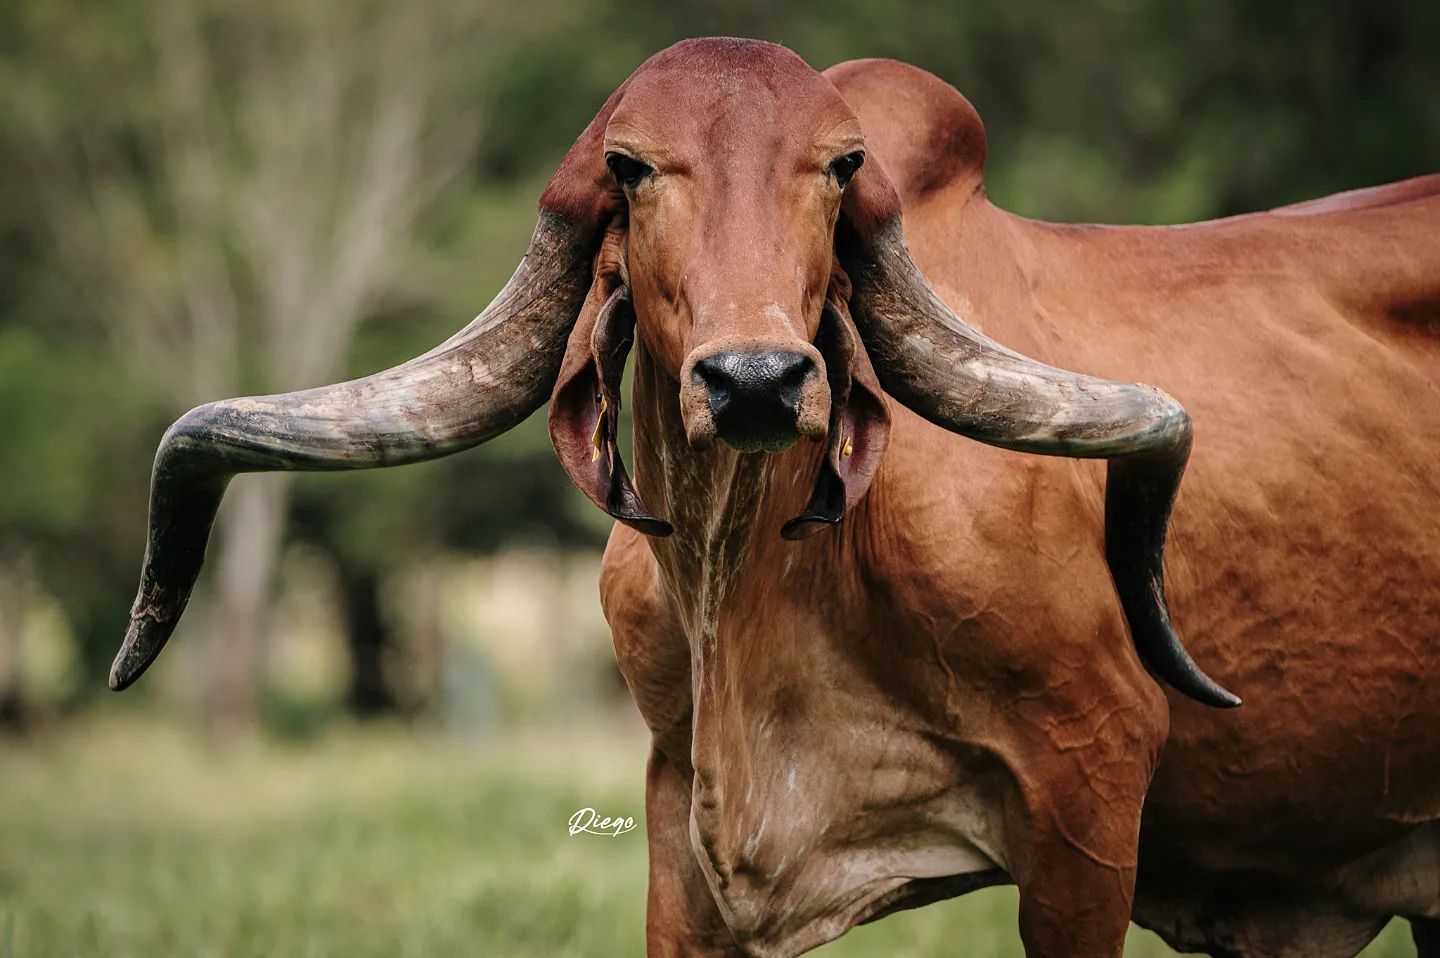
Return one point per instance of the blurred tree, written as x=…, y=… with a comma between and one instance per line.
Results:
x=12, y=621
x=1118, y=110
x=231, y=188
x=68, y=421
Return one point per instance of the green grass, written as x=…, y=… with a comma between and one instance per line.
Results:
x=129, y=839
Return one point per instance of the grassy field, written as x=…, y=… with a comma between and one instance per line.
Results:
x=126, y=838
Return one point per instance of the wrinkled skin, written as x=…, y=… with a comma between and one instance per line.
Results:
x=939, y=694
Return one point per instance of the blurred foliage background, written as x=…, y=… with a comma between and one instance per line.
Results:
x=207, y=198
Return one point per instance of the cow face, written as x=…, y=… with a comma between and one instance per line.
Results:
x=717, y=173
x=732, y=177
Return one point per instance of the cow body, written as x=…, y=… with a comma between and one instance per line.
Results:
x=939, y=694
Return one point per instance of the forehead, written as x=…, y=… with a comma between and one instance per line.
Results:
x=729, y=91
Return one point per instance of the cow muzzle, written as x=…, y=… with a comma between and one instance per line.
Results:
x=754, y=396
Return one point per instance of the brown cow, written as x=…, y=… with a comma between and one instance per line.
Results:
x=939, y=694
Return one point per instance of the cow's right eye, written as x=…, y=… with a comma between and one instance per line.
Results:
x=628, y=170
x=845, y=167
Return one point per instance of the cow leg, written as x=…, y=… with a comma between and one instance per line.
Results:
x=682, y=920
x=1073, y=906
x=1075, y=861
x=1426, y=932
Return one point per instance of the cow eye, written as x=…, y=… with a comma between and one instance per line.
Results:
x=845, y=167
x=628, y=170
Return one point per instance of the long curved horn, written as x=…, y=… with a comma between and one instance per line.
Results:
x=943, y=369
x=476, y=385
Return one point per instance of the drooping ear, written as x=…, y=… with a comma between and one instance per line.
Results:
x=859, y=420
x=582, y=189
x=585, y=406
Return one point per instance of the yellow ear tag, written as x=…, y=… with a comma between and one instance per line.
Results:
x=599, y=429
x=847, y=449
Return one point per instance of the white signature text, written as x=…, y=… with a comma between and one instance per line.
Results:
x=590, y=822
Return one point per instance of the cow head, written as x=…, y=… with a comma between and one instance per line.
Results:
x=732, y=194
x=719, y=168
x=719, y=207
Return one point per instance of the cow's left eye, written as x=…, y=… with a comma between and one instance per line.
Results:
x=845, y=167
x=628, y=170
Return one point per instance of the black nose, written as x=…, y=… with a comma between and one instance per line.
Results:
x=755, y=396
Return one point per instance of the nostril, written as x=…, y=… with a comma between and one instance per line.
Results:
x=714, y=379
x=792, y=383
x=755, y=396
x=795, y=377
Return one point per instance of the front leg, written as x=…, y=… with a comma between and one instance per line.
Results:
x=1077, y=848
x=1075, y=903
x=682, y=920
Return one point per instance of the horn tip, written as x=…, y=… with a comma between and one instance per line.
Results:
x=1208, y=692
x=143, y=641
x=1226, y=700
x=122, y=676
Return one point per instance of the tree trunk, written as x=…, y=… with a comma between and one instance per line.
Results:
x=251, y=526
x=12, y=620
x=425, y=629
x=367, y=636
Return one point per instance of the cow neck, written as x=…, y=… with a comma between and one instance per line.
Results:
x=727, y=507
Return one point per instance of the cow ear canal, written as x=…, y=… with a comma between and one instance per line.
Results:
x=585, y=405
x=859, y=420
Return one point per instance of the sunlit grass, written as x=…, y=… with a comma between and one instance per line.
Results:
x=129, y=838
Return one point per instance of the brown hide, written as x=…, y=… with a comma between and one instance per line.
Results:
x=1306, y=543
x=938, y=693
